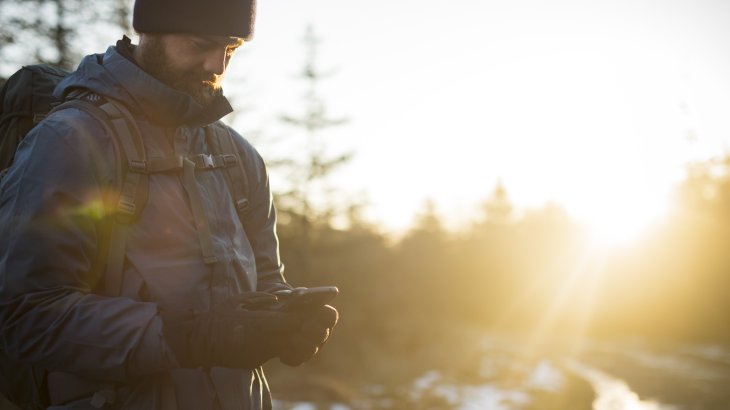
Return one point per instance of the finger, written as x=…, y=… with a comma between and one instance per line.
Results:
x=246, y=300
x=298, y=355
x=253, y=300
x=326, y=316
x=314, y=335
x=278, y=322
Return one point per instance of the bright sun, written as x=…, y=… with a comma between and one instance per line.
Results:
x=616, y=230
x=614, y=225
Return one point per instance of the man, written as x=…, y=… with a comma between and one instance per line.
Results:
x=192, y=322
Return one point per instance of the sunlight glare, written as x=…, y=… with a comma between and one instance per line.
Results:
x=612, y=225
x=618, y=230
x=619, y=197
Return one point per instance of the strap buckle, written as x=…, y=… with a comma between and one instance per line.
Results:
x=204, y=161
x=126, y=205
x=207, y=161
x=138, y=166
x=229, y=160
x=38, y=118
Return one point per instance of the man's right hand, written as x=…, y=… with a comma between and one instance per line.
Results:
x=239, y=334
x=315, y=327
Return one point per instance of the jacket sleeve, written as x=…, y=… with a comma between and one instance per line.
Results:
x=259, y=221
x=50, y=213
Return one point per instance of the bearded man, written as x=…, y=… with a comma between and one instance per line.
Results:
x=190, y=324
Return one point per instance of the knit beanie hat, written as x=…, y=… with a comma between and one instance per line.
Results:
x=230, y=18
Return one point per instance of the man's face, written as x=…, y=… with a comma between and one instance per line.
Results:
x=193, y=64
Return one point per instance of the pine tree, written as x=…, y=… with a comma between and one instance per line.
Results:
x=54, y=31
x=309, y=205
x=309, y=200
x=498, y=209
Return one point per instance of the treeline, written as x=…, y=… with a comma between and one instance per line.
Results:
x=408, y=306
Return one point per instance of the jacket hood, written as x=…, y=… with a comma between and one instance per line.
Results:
x=114, y=76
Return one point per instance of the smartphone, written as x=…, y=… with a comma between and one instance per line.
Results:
x=300, y=298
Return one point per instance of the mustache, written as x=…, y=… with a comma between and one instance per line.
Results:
x=207, y=77
x=210, y=81
x=199, y=76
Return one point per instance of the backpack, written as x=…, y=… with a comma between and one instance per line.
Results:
x=26, y=99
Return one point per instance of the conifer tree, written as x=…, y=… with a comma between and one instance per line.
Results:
x=55, y=31
x=310, y=202
x=307, y=200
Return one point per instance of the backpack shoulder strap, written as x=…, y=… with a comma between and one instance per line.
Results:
x=223, y=145
x=131, y=179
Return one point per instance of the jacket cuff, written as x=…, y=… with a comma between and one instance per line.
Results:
x=152, y=354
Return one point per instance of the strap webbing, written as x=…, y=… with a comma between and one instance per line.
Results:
x=207, y=161
x=114, y=235
x=196, y=203
x=133, y=193
x=223, y=145
x=135, y=186
x=157, y=165
x=114, y=271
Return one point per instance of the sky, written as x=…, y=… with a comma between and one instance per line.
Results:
x=596, y=106
x=592, y=105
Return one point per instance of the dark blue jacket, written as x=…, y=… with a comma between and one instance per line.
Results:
x=50, y=219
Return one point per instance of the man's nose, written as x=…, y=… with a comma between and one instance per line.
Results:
x=215, y=62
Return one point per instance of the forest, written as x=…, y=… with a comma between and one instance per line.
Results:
x=423, y=302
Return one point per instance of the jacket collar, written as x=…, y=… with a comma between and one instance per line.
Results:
x=118, y=77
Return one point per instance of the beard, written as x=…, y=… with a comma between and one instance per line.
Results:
x=201, y=86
